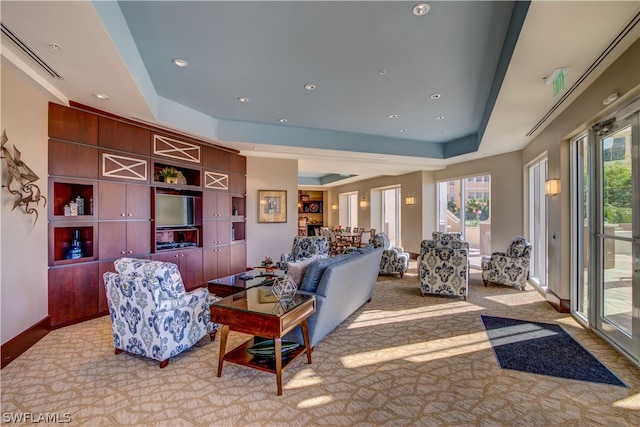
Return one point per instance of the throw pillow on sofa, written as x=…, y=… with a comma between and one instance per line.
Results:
x=316, y=270
x=297, y=269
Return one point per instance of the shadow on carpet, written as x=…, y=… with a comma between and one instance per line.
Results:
x=544, y=348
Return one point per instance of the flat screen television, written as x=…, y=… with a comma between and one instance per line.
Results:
x=174, y=210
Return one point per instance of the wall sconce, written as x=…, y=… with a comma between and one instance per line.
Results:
x=363, y=203
x=409, y=200
x=334, y=207
x=552, y=187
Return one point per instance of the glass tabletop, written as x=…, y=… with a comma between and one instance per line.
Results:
x=260, y=299
x=248, y=279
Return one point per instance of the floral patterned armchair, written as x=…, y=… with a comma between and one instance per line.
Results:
x=394, y=258
x=443, y=265
x=509, y=268
x=305, y=247
x=151, y=314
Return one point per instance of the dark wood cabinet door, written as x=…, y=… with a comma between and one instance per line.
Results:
x=124, y=136
x=103, y=267
x=138, y=238
x=237, y=183
x=112, y=200
x=216, y=205
x=73, y=160
x=216, y=232
x=238, y=258
x=223, y=259
x=112, y=239
x=138, y=202
x=215, y=158
x=73, y=293
x=191, y=268
x=238, y=163
x=72, y=125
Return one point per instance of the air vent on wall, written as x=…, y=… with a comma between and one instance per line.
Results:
x=29, y=52
x=628, y=28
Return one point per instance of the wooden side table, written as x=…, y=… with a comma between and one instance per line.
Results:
x=251, y=313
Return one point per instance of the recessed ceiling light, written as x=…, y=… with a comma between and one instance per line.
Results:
x=382, y=72
x=243, y=99
x=310, y=86
x=101, y=96
x=442, y=132
x=55, y=46
x=403, y=130
x=393, y=116
x=256, y=149
x=180, y=62
x=420, y=9
x=439, y=117
x=283, y=120
x=435, y=96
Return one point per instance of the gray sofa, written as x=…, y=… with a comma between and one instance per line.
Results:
x=341, y=284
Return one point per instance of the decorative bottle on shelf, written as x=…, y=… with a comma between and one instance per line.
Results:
x=75, y=251
x=233, y=233
x=235, y=211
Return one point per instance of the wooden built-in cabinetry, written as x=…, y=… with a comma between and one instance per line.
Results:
x=103, y=183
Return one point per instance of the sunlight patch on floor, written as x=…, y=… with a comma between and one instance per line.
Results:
x=631, y=402
x=304, y=378
x=380, y=317
x=421, y=352
x=315, y=401
x=516, y=298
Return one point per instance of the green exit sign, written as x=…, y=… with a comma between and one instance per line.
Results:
x=558, y=82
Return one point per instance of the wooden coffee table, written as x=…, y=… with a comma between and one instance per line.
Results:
x=254, y=312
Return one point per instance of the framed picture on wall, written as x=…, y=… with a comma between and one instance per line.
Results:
x=272, y=205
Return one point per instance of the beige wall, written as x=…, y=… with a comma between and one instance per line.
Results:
x=23, y=260
x=270, y=239
x=623, y=77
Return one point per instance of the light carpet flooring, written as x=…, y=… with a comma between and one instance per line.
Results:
x=401, y=359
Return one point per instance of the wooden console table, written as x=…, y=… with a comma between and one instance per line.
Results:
x=251, y=313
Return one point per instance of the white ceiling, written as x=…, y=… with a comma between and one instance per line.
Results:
x=270, y=49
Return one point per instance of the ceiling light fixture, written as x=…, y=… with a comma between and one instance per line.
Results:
x=439, y=117
x=310, y=86
x=101, y=96
x=55, y=46
x=180, y=62
x=403, y=130
x=435, y=96
x=283, y=120
x=420, y=9
x=243, y=99
x=393, y=116
x=382, y=72
x=610, y=98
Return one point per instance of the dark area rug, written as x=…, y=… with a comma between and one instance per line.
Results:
x=544, y=348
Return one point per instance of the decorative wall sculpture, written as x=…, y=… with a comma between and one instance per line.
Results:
x=20, y=181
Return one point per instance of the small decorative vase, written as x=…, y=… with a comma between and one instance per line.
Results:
x=284, y=288
x=269, y=269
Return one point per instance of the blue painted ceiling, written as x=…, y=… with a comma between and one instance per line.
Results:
x=367, y=60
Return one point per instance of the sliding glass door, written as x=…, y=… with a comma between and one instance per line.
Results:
x=617, y=236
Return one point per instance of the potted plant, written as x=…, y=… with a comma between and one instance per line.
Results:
x=267, y=263
x=169, y=174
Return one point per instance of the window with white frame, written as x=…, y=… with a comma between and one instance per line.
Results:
x=348, y=209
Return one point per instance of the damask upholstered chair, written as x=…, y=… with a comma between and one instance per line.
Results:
x=151, y=313
x=510, y=268
x=443, y=265
x=305, y=247
x=394, y=258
